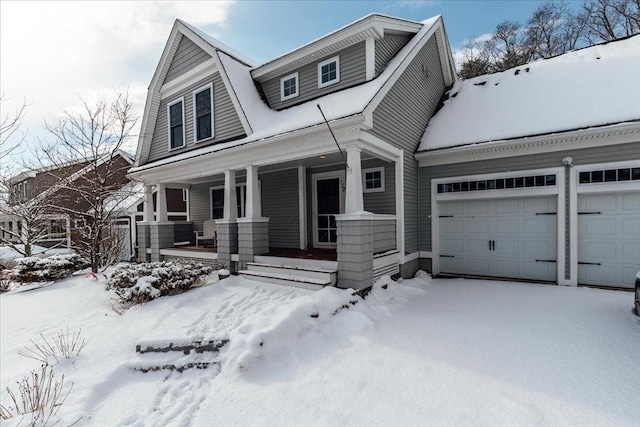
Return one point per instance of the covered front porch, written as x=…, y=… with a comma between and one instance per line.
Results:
x=335, y=207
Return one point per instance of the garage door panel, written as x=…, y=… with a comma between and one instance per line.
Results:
x=631, y=250
x=539, y=270
x=507, y=268
x=539, y=225
x=508, y=226
x=452, y=208
x=539, y=249
x=478, y=226
x=507, y=206
x=631, y=227
x=631, y=202
x=453, y=226
x=535, y=205
x=501, y=239
x=478, y=266
x=609, y=242
x=479, y=207
x=452, y=245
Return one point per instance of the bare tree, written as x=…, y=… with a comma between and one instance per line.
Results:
x=9, y=126
x=93, y=138
x=607, y=20
x=509, y=46
x=475, y=59
x=553, y=30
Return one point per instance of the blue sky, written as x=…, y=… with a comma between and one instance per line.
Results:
x=54, y=53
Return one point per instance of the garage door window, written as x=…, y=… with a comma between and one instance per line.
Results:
x=498, y=184
x=609, y=175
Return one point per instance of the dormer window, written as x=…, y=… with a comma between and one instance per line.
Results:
x=203, y=112
x=289, y=87
x=175, y=112
x=329, y=72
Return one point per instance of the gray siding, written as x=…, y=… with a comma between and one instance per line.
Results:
x=187, y=56
x=280, y=205
x=387, y=47
x=401, y=119
x=536, y=161
x=383, y=202
x=227, y=124
x=352, y=71
x=200, y=203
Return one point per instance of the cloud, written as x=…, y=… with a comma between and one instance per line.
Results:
x=54, y=52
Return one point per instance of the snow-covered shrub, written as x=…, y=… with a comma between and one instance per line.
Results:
x=139, y=283
x=55, y=267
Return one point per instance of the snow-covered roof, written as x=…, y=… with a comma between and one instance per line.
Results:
x=591, y=87
x=268, y=123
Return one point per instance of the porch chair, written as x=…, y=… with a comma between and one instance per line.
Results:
x=208, y=233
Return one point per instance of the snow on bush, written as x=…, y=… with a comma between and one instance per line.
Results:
x=139, y=283
x=55, y=267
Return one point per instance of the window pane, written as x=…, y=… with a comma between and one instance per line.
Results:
x=176, y=136
x=328, y=72
x=550, y=180
x=597, y=176
x=203, y=102
x=176, y=114
x=204, y=127
x=624, y=174
x=635, y=173
x=610, y=175
x=585, y=177
x=290, y=87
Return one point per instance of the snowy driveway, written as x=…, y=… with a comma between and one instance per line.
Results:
x=423, y=351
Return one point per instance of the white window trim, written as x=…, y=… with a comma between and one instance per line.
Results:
x=284, y=79
x=195, y=117
x=364, y=180
x=184, y=136
x=335, y=59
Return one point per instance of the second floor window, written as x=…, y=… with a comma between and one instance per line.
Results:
x=329, y=72
x=203, y=112
x=289, y=86
x=176, y=124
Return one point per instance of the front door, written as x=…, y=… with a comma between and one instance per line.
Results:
x=328, y=200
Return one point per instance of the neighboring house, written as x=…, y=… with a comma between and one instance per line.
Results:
x=349, y=194
x=53, y=188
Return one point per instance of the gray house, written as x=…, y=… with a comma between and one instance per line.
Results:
x=315, y=166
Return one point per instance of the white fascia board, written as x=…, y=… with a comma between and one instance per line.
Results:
x=586, y=138
x=232, y=94
x=373, y=25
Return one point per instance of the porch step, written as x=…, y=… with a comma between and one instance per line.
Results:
x=174, y=355
x=285, y=279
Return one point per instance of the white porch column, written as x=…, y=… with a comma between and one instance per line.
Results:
x=148, y=203
x=354, y=199
x=161, y=202
x=230, y=202
x=253, y=208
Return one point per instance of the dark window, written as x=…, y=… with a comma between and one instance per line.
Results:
x=498, y=184
x=176, y=126
x=635, y=173
x=610, y=175
x=373, y=180
x=550, y=180
x=290, y=87
x=624, y=174
x=597, y=176
x=204, y=116
x=328, y=72
x=585, y=177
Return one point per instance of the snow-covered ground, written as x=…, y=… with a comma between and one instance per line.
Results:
x=422, y=351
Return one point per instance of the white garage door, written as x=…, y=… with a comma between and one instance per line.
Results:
x=510, y=238
x=608, y=239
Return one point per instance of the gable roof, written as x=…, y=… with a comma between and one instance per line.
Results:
x=586, y=88
x=356, y=101
x=152, y=104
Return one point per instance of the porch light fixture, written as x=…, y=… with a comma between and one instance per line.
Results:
x=322, y=156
